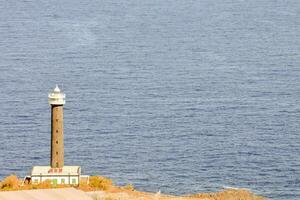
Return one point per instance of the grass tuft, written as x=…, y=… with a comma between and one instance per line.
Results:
x=10, y=183
x=128, y=187
x=101, y=183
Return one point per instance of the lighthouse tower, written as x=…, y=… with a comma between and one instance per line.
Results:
x=57, y=99
x=57, y=173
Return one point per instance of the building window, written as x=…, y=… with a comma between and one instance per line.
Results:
x=62, y=181
x=56, y=131
x=56, y=153
x=56, y=120
x=56, y=164
x=54, y=181
x=74, y=181
x=56, y=141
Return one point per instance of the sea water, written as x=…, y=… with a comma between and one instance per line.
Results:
x=178, y=96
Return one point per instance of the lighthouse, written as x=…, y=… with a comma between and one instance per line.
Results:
x=57, y=172
x=56, y=100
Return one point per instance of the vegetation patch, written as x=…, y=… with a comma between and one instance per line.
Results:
x=101, y=183
x=232, y=194
x=128, y=187
x=10, y=183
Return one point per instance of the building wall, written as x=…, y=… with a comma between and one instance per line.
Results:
x=57, y=137
x=69, y=180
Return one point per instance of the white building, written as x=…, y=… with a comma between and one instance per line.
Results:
x=69, y=175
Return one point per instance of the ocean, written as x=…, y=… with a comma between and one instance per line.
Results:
x=177, y=96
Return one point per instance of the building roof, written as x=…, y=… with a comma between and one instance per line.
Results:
x=46, y=194
x=47, y=170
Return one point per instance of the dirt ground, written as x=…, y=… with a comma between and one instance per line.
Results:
x=231, y=194
x=101, y=188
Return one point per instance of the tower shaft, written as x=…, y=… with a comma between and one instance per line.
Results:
x=57, y=137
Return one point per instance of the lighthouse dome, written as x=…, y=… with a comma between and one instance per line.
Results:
x=56, y=89
x=56, y=97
